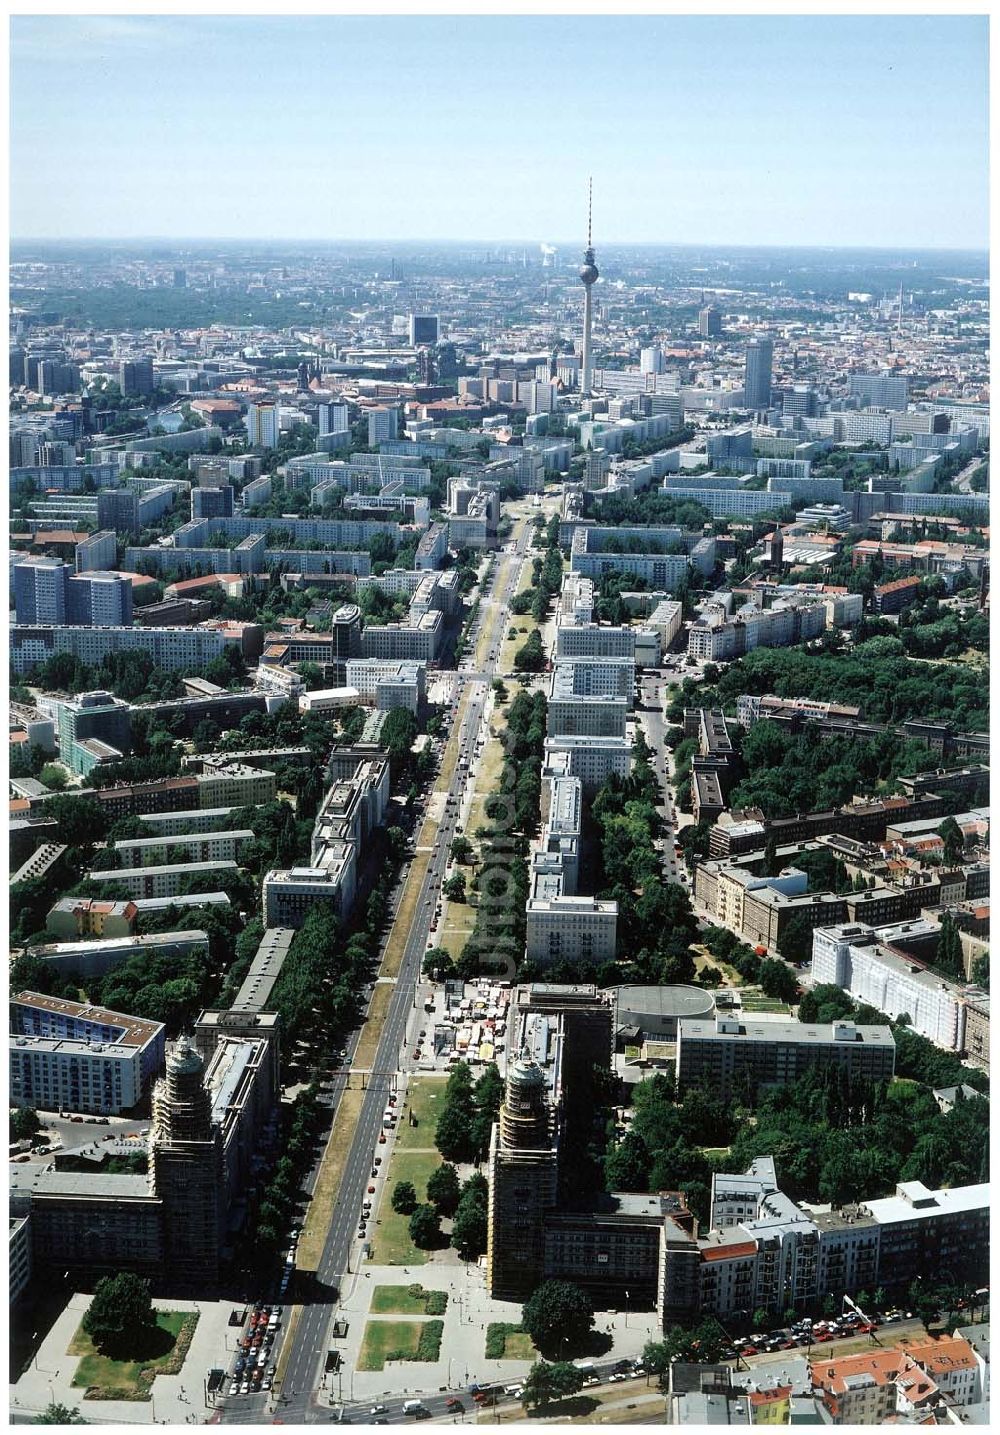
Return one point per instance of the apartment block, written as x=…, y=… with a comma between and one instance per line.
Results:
x=71, y=1055
x=215, y=846
x=730, y=1052
x=580, y=930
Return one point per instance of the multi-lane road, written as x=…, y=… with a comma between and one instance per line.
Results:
x=303, y=1362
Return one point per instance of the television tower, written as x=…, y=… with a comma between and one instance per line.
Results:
x=589, y=275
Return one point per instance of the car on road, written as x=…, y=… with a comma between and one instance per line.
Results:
x=379, y=1409
x=454, y=1405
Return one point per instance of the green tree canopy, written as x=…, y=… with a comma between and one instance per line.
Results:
x=120, y=1313
x=558, y=1316
x=443, y=1189
x=404, y=1198
x=425, y=1228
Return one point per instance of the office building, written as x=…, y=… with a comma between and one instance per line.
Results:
x=83, y=1058
x=216, y=502
x=709, y=322
x=136, y=378
x=93, y=728
x=757, y=374
x=732, y=1055
x=423, y=330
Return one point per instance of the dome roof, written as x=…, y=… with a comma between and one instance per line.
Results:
x=526, y=1073
x=184, y=1058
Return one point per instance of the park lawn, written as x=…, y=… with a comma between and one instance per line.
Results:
x=399, y=1300
x=391, y=1244
x=459, y=921
x=487, y=779
x=106, y=1379
x=424, y=1097
x=385, y=1338
x=519, y=1347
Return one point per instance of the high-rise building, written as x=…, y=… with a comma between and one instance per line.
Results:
x=136, y=377
x=423, y=330
x=40, y=590
x=383, y=424
x=523, y=1170
x=332, y=418
x=263, y=425
x=180, y=279
x=589, y=275
x=651, y=360
x=213, y=502
x=757, y=375
x=709, y=322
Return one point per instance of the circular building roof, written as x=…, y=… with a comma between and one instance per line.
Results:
x=659, y=1002
x=184, y=1057
x=525, y=1073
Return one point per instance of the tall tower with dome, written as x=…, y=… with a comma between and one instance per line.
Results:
x=185, y=1151
x=523, y=1172
x=589, y=275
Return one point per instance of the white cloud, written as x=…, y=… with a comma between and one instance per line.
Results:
x=51, y=37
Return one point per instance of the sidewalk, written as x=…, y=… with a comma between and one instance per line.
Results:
x=463, y=1344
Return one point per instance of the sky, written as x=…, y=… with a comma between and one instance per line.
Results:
x=785, y=130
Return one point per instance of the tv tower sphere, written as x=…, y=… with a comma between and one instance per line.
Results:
x=589, y=271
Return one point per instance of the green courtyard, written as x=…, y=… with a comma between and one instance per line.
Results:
x=165, y=1348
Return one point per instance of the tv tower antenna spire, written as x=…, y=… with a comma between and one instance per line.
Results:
x=589, y=275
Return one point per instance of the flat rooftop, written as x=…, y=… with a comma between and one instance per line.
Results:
x=129, y=1030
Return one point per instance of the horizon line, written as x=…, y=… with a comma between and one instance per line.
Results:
x=534, y=242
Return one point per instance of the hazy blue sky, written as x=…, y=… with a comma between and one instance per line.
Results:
x=753, y=130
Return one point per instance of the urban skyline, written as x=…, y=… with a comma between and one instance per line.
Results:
x=782, y=159
x=499, y=829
